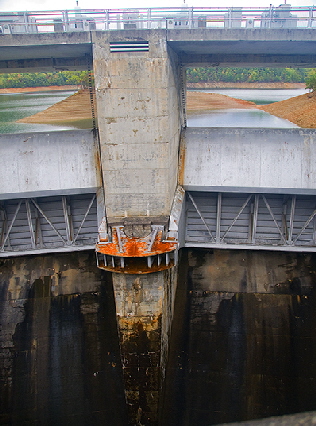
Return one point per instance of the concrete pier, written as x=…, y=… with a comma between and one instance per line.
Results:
x=140, y=116
x=144, y=309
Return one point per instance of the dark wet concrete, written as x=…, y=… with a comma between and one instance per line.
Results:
x=243, y=342
x=65, y=367
x=242, y=355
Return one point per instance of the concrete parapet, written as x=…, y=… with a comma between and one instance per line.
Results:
x=55, y=163
x=237, y=159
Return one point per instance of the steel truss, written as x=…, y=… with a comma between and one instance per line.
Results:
x=48, y=224
x=274, y=221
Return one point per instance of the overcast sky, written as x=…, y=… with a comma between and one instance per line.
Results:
x=33, y=5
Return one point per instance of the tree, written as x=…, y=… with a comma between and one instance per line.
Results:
x=311, y=80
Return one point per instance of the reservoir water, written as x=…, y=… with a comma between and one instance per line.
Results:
x=19, y=105
x=245, y=117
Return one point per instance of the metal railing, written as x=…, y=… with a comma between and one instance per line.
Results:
x=283, y=16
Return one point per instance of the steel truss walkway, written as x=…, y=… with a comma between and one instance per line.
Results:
x=254, y=221
x=48, y=224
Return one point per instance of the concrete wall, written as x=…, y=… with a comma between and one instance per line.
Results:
x=139, y=110
x=39, y=164
x=233, y=159
x=57, y=334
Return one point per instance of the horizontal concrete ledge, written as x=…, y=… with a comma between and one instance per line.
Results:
x=240, y=131
x=307, y=418
x=241, y=34
x=46, y=251
x=48, y=163
x=250, y=190
x=48, y=193
x=276, y=160
x=298, y=249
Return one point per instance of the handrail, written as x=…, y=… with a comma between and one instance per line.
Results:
x=78, y=19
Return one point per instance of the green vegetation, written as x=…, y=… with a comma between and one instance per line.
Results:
x=194, y=75
x=311, y=80
x=40, y=79
x=249, y=75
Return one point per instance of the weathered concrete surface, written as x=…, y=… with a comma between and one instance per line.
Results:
x=139, y=119
x=198, y=46
x=304, y=419
x=58, y=342
x=39, y=164
x=244, y=47
x=243, y=271
x=144, y=306
x=259, y=160
x=44, y=52
x=240, y=355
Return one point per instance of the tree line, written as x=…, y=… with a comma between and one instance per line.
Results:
x=194, y=75
x=40, y=79
x=250, y=75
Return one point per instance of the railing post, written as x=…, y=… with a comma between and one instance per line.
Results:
x=118, y=21
x=148, y=19
x=310, y=17
x=65, y=20
x=191, y=22
x=270, y=16
x=26, y=26
x=107, y=23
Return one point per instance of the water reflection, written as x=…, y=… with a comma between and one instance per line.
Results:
x=259, y=96
x=19, y=105
x=237, y=118
x=245, y=117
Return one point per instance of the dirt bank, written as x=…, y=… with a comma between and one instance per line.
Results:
x=300, y=110
x=199, y=101
x=75, y=107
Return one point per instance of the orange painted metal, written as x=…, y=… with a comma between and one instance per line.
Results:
x=136, y=266
x=123, y=246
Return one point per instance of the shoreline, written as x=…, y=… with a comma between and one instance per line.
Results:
x=38, y=89
x=300, y=110
x=223, y=85
x=209, y=85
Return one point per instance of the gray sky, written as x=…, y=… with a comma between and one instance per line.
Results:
x=33, y=5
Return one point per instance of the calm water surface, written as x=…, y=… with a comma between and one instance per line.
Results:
x=20, y=105
x=245, y=117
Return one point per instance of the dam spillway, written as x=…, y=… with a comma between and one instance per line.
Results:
x=246, y=263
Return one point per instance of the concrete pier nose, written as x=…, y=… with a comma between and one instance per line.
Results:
x=140, y=117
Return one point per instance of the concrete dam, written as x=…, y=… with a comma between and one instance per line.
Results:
x=150, y=273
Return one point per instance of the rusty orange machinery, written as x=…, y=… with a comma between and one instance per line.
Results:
x=132, y=255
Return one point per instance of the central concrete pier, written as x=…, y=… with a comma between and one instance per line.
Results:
x=140, y=117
